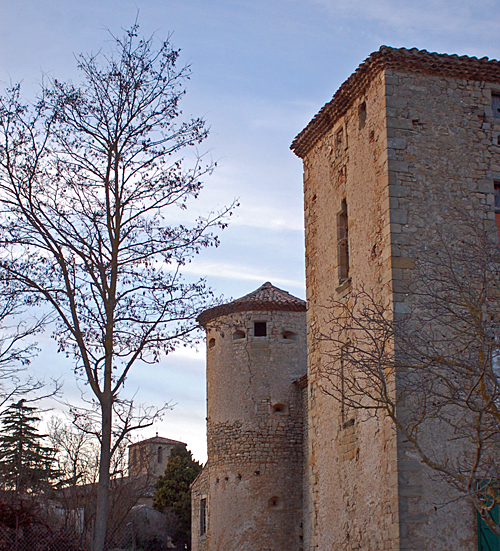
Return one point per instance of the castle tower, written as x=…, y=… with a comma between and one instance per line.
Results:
x=407, y=142
x=249, y=495
x=150, y=457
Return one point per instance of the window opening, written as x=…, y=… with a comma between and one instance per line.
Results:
x=160, y=454
x=495, y=104
x=339, y=142
x=496, y=190
x=343, y=242
x=347, y=383
x=362, y=115
x=203, y=516
x=211, y=343
x=260, y=329
x=289, y=336
x=238, y=335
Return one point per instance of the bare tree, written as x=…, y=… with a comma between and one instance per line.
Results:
x=434, y=368
x=17, y=349
x=77, y=453
x=88, y=176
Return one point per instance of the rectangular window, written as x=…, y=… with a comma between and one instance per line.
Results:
x=339, y=142
x=496, y=190
x=495, y=105
x=259, y=329
x=160, y=454
x=343, y=243
x=203, y=516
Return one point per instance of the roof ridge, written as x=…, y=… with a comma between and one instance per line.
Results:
x=267, y=297
x=410, y=60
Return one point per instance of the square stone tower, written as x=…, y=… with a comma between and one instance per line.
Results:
x=409, y=133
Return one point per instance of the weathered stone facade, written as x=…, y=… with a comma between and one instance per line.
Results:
x=405, y=137
x=252, y=479
x=409, y=134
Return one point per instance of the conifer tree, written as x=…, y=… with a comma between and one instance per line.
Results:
x=25, y=463
x=173, y=490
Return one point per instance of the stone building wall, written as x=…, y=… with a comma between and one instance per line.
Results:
x=402, y=148
x=353, y=462
x=199, y=529
x=254, y=432
x=443, y=157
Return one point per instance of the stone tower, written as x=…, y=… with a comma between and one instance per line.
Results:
x=408, y=140
x=249, y=495
x=150, y=456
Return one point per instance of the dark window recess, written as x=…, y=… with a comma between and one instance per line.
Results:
x=289, y=336
x=339, y=142
x=343, y=243
x=362, y=115
x=203, y=516
x=496, y=187
x=211, y=343
x=495, y=105
x=160, y=454
x=260, y=329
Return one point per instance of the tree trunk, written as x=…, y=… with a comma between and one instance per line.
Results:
x=101, y=520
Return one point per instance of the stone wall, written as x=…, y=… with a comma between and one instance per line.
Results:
x=443, y=157
x=406, y=152
x=255, y=432
x=199, y=491
x=353, y=466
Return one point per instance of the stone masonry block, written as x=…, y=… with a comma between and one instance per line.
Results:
x=398, y=166
x=396, y=143
x=403, y=263
x=485, y=186
x=399, y=216
x=399, y=123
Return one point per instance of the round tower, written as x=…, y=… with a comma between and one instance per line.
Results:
x=256, y=351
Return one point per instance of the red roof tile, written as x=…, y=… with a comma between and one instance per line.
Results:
x=400, y=59
x=266, y=298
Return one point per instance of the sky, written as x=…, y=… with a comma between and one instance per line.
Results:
x=260, y=71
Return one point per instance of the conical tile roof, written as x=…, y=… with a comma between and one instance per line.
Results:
x=266, y=298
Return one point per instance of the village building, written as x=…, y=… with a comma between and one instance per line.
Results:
x=147, y=460
x=409, y=133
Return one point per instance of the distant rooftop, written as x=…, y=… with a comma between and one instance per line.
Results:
x=399, y=59
x=157, y=440
x=266, y=298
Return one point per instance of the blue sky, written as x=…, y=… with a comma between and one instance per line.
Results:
x=261, y=70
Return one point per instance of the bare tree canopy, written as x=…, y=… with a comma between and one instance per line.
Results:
x=433, y=367
x=88, y=176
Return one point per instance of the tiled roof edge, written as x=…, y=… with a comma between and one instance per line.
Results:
x=411, y=61
x=250, y=306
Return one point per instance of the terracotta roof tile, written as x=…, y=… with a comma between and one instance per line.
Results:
x=400, y=59
x=266, y=298
x=157, y=440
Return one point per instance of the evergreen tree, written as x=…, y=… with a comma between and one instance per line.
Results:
x=173, y=491
x=25, y=463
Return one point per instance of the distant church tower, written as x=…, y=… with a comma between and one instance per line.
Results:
x=249, y=495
